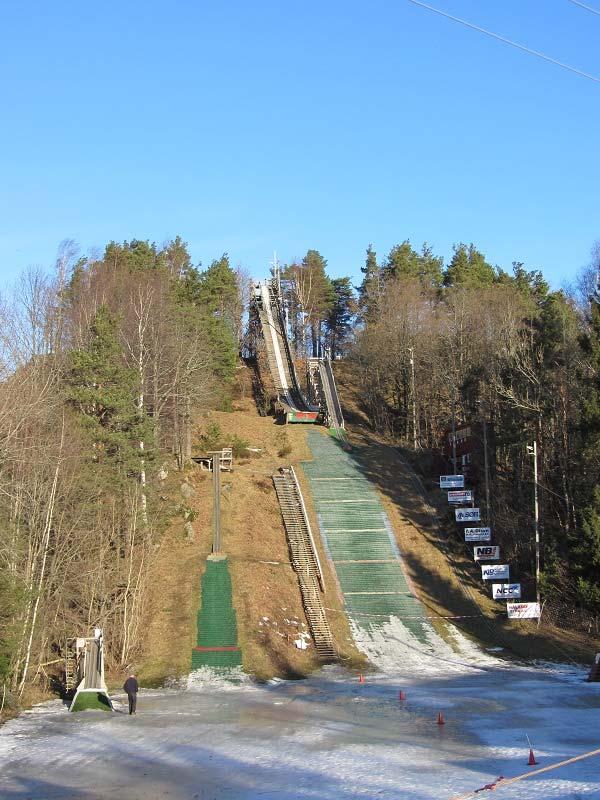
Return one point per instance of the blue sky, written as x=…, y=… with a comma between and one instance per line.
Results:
x=248, y=127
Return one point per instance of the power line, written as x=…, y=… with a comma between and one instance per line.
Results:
x=587, y=8
x=508, y=41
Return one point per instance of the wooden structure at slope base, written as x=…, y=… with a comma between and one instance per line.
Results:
x=305, y=560
x=84, y=673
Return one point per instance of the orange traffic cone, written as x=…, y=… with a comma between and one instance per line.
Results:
x=440, y=719
x=361, y=678
x=532, y=762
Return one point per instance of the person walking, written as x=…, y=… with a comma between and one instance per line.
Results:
x=131, y=687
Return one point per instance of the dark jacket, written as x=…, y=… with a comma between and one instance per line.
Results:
x=131, y=686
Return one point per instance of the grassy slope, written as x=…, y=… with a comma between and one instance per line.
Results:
x=446, y=580
x=264, y=583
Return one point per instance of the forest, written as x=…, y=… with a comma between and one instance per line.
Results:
x=106, y=363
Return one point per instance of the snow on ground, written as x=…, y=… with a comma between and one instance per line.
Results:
x=324, y=738
x=392, y=647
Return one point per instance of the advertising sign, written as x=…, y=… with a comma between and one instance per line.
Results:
x=486, y=552
x=523, y=610
x=495, y=572
x=478, y=534
x=506, y=591
x=465, y=496
x=452, y=481
x=467, y=515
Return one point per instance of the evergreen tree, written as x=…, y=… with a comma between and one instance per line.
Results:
x=339, y=319
x=316, y=293
x=104, y=392
x=468, y=267
x=218, y=293
x=369, y=291
x=402, y=262
x=133, y=256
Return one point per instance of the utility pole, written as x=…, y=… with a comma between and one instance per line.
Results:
x=414, y=399
x=532, y=450
x=486, y=470
x=454, y=433
x=216, y=470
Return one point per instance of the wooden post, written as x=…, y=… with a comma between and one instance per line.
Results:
x=216, y=470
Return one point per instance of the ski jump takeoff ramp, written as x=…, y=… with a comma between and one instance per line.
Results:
x=389, y=624
x=279, y=355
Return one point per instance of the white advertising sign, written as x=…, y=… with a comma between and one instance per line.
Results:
x=486, y=552
x=523, y=610
x=467, y=515
x=506, y=591
x=495, y=572
x=478, y=534
x=452, y=481
x=466, y=496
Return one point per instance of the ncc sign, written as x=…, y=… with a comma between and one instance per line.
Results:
x=495, y=572
x=523, y=610
x=467, y=515
x=466, y=496
x=478, y=534
x=452, y=481
x=486, y=553
x=506, y=591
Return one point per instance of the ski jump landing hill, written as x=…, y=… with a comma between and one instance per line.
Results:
x=389, y=623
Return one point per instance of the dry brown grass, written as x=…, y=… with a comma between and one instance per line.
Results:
x=445, y=579
x=264, y=583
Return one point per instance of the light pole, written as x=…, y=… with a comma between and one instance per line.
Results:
x=414, y=399
x=486, y=470
x=532, y=450
x=454, y=432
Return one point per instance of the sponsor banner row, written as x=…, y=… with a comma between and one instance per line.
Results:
x=523, y=610
x=452, y=481
x=486, y=552
x=458, y=497
x=493, y=572
x=467, y=515
x=506, y=591
x=478, y=534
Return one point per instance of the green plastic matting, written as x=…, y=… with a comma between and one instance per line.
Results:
x=217, y=644
x=360, y=541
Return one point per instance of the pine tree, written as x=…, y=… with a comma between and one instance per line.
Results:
x=585, y=545
x=339, y=319
x=104, y=392
x=402, y=262
x=468, y=267
x=369, y=291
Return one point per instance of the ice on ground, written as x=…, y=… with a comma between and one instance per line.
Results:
x=324, y=738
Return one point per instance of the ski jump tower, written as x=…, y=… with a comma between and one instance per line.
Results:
x=270, y=324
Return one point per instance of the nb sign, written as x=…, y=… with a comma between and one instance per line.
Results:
x=495, y=572
x=467, y=514
x=486, y=553
x=506, y=591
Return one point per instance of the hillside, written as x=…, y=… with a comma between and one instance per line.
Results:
x=443, y=574
x=265, y=588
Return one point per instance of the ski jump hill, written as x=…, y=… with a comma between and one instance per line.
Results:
x=389, y=623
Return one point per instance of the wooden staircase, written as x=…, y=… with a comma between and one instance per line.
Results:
x=305, y=560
